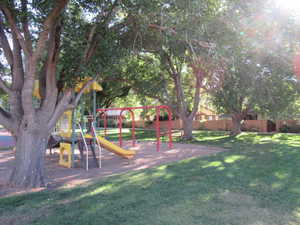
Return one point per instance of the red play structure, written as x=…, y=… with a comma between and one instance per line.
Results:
x=157, y=125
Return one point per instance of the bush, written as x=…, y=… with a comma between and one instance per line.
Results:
x=202, y=127
x=290, y=129
x=110, y=123
x=148, y=123
x=284, y=129
x=163, y=117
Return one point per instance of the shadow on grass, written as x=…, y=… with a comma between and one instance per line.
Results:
x=242, y=186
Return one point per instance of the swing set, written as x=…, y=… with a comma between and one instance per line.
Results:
x=131, y=110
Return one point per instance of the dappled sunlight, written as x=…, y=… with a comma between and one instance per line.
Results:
x=281, y=136
x=233, y=158
x=293, y=144
x=108, y=188
x=213, y=138
x=281, y=174
x=137, y=177
x=266, y=139
x=249, y=137
x=277, y=185
x=254, y=183
x=221, y=168
x=213, y=164
x=297, y=213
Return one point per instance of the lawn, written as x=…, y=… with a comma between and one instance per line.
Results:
x=256, y=182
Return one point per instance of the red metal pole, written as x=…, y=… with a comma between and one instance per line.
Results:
x=120, y=128
x=157, y=129
x=133, y=127
x=157, y=108
x=105, y=124
x=170, y=126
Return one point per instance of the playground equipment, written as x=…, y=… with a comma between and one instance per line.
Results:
x=157, y=124
x=67, y=126
x=89, y=140
x=84, y=140
x=127, y=154
x=102, y=142
x=67, y=132
x=65, y=149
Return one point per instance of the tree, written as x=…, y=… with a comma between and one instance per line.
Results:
x=56, y=43
x=259, y=56
x=265, y=85
x=173, y=40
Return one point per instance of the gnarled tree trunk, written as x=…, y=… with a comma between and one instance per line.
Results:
x=236, y=124
x=187, y=126
x=29, y=157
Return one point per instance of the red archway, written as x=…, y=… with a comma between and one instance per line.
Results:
x=157, y=124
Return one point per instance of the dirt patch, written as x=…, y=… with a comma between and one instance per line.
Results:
x=146, y=157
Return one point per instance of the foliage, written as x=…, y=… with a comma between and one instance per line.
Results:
x=290, y=129
x=259, y=75
x=169, y=45
x=257, y=86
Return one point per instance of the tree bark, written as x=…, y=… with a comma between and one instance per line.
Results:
x=29, y=158
x=187, y=126
x=236, y=124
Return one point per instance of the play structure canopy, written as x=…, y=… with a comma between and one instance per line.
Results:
x=95, y=86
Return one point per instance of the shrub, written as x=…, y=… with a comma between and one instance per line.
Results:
x=290, y=129
x=110, y=123
x=284, y=129
x=148, y=123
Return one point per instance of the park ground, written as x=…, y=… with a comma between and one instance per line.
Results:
x=256, y=181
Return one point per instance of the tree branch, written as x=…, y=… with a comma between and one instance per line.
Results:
x=28, y=86
x=67, y=103
x=6, y=120
x=49, y=22
x=24, y=20
x=13, y=24
x=5, y=87
x=50, y=66
x=196, y=100
x=5, y=45
x=60, y=108
x=17, y=69
x=171, y=65
x=90, y=48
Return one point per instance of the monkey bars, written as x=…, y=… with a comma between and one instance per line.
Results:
x=157, y=124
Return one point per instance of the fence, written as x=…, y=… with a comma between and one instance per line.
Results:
x=215, y=125
x=289, y=123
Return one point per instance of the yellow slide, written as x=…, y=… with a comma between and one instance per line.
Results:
x=127, y=154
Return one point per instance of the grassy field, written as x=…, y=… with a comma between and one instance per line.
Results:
x=257, y=182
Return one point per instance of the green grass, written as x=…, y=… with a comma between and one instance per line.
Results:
x=256, y=182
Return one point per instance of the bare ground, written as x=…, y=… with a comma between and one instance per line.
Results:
x=146, y=157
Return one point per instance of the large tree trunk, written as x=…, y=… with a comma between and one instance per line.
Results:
x=187, y=126
x=236, y=124
x=29, y=158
